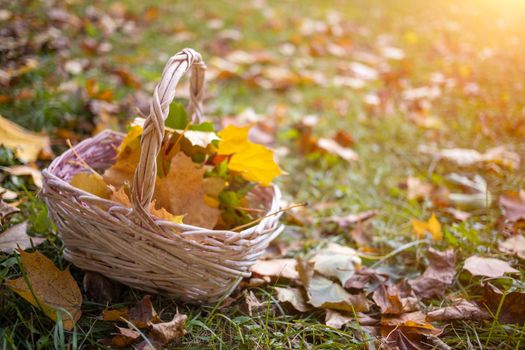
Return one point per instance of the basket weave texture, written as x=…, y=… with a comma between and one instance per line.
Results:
x=130, y=245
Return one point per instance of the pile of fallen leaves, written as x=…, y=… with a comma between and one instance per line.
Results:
x=203, y=177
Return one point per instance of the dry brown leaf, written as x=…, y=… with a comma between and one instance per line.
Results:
x=16, y=236
x=54, y=290
x=514, y=245
x=6, y=210
x=336, y=261
x=182, y=192
x=324, y=293
x=6, y=194
x=465, y=157
x=124, y=337
x=389, y=300
x=337, y=319
x=25, y=170
x=276, y=268
x=461, y=310
x=168, y=332
x=417, y=189
x=293, y=296
x=511, y=308
x=115, y=314
x=332, y=147
x=143, y=314
x=513, y=204
x=487, y=267
x=28, y=145
x=438, y=276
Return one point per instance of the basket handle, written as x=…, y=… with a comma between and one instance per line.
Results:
x=153, y=131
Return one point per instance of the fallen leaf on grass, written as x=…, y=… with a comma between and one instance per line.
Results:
x=25, y=170
x=92, y=183
x=7, y=194
x=28, y=145
x=276, y=268
x=293, y=296
x=324, y=293
x=417, y=189
x=336, y=261
x=389, y=300
x=438, y=276
x=511, y=308
x=513, y=205
x=332, y=147
x=478, y=195
x=514, y=245
x=55, y=291
x=487, y=267
x=168, y=332
x=461, y=310
x=431, y=226
x=115, y=314
x=182, y=192
x=337, y=319
x=143, y=314
x=16, y=236
x=407, y=331
x=124, y=337
x=465, y=157
x=351, y=219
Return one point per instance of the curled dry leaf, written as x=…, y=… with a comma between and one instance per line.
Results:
x=29, y=146
x=461, y=310
x=389, y=300
x=407, y=331
x=514, y=245
x=276, y=268
x=167, y=332
x=16, y=236
x=513, y=205
x=487, y=267
x=293, y=296
x=438, y=276
x=52, y=291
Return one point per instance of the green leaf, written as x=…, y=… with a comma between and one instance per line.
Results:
x=206, y=126
x=229, y=198
x=177, y=117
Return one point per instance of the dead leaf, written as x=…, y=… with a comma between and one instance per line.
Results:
x=487, y=267
x=6, y=194
x=6, y=210
x=143, y=314
x=465, y=157
x=461, y=310
x=407, y=331
x=431, y=226
x=100, y=288
x=389, y=300
x=417, y=189
x=28, y=145
x=332, y=147
x=337, y=319
x=478, y=196
x=336, y=261
x=181, y=192
x=438, y=276
x=54, y=290
x=16, y=236
x=351, y=219
x=276, y=268
x=324, y=293
x=115, y=314
x=514, y=245
x=124, y=337
x=168, y=332
x=513, y=205
x=511, y=308
x=293, y=296
x=25, y=170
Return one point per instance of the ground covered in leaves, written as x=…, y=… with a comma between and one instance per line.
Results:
x=400, y=124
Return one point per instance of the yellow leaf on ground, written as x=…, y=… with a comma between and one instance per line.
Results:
x=92, y=183
x=52, y=290
x=181, y=191
x=254, y=162
x=28, y=145
x=431, y=226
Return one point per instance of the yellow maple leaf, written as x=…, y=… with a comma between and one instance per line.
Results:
x=132, y=140
x=92, y=183
x=53, y=291
x=254, y=162
x=122, y=197
x=431, y=226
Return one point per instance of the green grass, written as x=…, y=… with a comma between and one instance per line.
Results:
x=450, y=37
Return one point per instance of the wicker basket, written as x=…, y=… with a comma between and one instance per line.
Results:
x=130, y=245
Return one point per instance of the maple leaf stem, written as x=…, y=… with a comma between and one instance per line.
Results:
x=266, y=216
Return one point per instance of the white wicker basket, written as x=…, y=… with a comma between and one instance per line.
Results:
x=130, y=245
